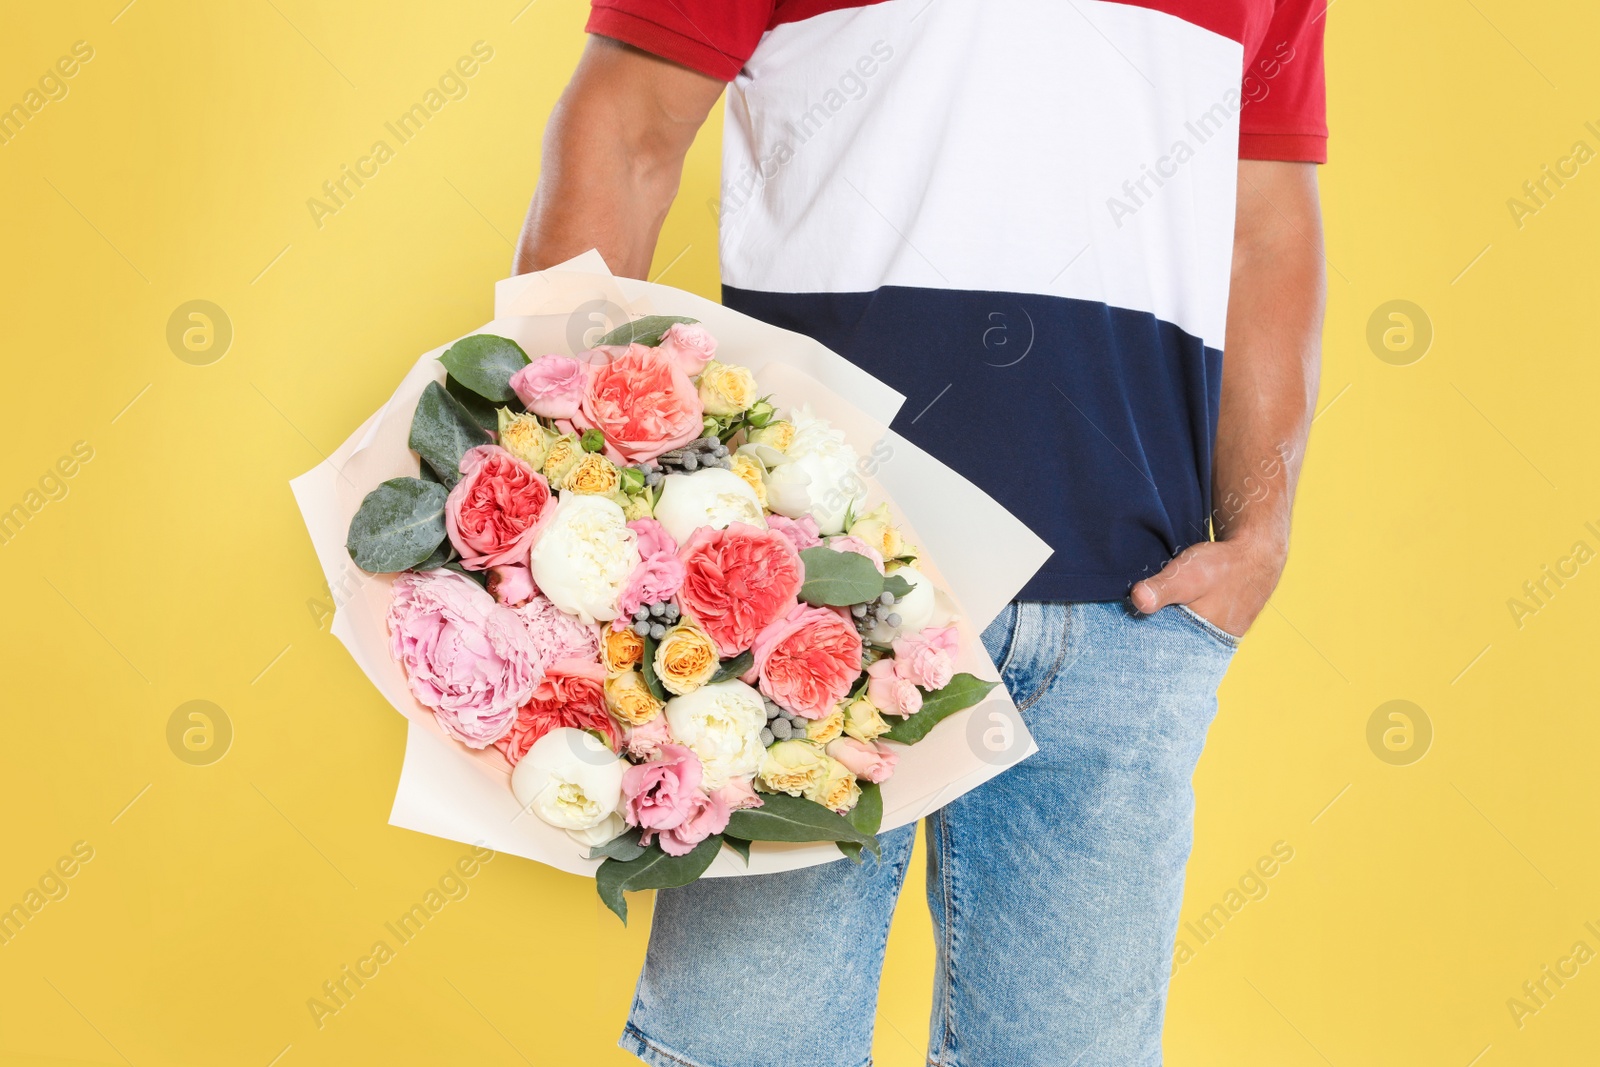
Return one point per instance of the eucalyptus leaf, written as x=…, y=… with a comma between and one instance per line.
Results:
x=896, y=585
x=398, y=525
x=484, y=363
x=741, y=847
x=645, y=331
x=838, y=579
x=482, y=411
x=653, y=869
x=442, y=431
x=733, y=668
x=441, y=555
x=963, y=691
x=624, y=847
x=648, y=664
x=782, y=817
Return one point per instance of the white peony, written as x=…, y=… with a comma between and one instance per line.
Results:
x=570, y=779
x=818, y=474
x=915, y=608
x=720, y=723
x=711, y=497
x=583, y=556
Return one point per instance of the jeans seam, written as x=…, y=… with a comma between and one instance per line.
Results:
x=1055, y=668
x=658, y=1049
x=947, y=1031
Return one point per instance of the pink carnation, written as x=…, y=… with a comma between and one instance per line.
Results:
x=739, y=793
x=737, y=581
x=643, y=403
x=493, y=513
x=689, y=345
x=658, y=575
x=808, y=660
x=867, y=760
x=707, y=814
x=572, y=694
x=801, y=532
x=891, y=691
x=552, y=386
x=466, y=657
x=928, y=659
x=660, y=794
x=846, y=543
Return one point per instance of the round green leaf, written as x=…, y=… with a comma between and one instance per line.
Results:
x=398, y=525
x=485, y=363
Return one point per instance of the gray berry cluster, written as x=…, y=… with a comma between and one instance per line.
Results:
x=782, y=725
x=697, y=454
x=868, y=615
x=654, y=620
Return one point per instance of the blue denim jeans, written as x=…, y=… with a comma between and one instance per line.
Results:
x=1054, y=888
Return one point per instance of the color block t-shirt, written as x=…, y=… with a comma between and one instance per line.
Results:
x=1019, y=213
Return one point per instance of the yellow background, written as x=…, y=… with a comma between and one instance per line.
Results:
x=1419, y=899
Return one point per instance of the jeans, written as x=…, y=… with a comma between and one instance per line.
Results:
x=1054, y=887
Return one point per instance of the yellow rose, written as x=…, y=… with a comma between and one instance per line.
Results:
x=630, y=700
x=877, y=530
x=593, y=475
x=836, y=789
x=747, y=467
x=637, y=506
x=726, y=389
x=862, y=720
x=564, y=454
x=524, y=437
x=623, y=649
x=828, y=728
x=792, y=767
x=778, y=434
x=685, y=659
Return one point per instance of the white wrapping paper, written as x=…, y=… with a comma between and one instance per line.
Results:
x=974, y=549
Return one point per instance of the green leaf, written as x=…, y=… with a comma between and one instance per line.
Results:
x=398, y=525
x=838, y=579
x=645, y=331
x=963, y=691
x=648, y=665
x=442, y=431
x=482, y=411
x=896, y=585
x=732, y=668
x=624, y=847
x=782, y=817
x=485, y=363
x=654, y=869
x=478, y=576
x=741, y=847
x=441, y=555
x=866, y=816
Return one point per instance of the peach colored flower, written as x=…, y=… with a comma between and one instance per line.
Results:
x=643, y=403
x=737, y=581
x=572, y=694
x=494, y=512
x=807, y=660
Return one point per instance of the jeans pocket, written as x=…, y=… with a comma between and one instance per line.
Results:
x=1209, y=628
x=1000, y=635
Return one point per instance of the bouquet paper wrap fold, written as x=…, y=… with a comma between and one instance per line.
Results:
x=973, y=549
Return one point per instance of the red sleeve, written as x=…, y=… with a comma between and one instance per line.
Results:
x=714, y=37
x=1285, y=111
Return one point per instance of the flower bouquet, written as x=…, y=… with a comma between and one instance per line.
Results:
x=660, y=595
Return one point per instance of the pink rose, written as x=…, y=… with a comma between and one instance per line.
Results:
x=689, y=345
x=737, y=581
x=557, y=635
x=493, y=513
x=642, y=402
x=643, y=742
x=892, y=691
x=807, y=660
x=551, y=386
x=866, y=760
x=658, y=575
x=928, y=659
x=511, y=584
x=707, y=815
x=846, y=543
x=466, y=657
x=802, y=532
x=738, y=793
x=572, y=694
x=660, y=794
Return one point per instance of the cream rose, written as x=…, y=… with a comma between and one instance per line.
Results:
x=725, y=388
x=721, y=724
x=583, y=556
x=828, y=728
x=593, y=475
x=524, y=437
x=862, y=720
x=793, y=767
x=876, y=529
x=777, y=435
x=750, y=469
x=836, y=788
x=711, y=497
x=564, y=453
x=685, y=659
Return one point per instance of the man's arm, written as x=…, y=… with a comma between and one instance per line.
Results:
x=1270, y=367
x=613, y=155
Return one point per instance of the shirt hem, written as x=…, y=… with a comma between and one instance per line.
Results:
x=1284, y=147
x=664, y=42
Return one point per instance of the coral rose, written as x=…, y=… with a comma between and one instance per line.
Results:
x=494, y=512
x=737, y=581
x=807, y=660
x=571, y=695
x=643, y=403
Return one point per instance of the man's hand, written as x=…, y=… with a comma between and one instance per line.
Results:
x=1269, y=388
x=613, y=155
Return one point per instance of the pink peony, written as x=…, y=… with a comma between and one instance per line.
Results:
x=707, y=815
x=493, y=513
x=642, y=402
x=928, y=659
x=511, y=584
x=557, y=635
x=807, y=660
x=689, y=346
x=869, y=761
x=660, y=794
x=466, y=657
x=802, y=532
x=643, y=742
x=891, y=690
x=737, y=581
x=551, y=386
x=658, y=575
x=846, y=543
x=739, y=793
x=572, y=694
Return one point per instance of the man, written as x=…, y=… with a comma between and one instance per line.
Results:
x=1025, y=215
